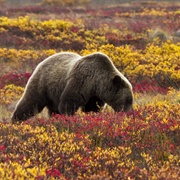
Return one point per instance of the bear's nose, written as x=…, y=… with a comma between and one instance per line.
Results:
x=129, y=100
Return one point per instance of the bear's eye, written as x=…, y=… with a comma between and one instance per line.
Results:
x=129, y=100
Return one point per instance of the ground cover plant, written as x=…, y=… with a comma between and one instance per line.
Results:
x=143, y=41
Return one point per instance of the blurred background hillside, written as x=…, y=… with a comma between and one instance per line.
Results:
x=18, y=3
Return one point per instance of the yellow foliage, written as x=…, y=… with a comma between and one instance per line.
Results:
x=154, y=60
x=19, y=171
x=20, y=56
x=10, y=93
x=25, y=23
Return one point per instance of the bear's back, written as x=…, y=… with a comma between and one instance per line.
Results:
x=51, y=74
x=56, y=65
x=59, y=61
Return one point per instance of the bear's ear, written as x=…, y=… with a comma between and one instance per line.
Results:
x=118, y=81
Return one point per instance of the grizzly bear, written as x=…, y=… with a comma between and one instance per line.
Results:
x=66, y=81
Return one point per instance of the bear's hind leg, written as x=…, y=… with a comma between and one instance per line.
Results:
x=25, y=110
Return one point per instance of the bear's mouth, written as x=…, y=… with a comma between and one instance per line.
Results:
x=128, y=108
x=118, y=108
x=123, y=108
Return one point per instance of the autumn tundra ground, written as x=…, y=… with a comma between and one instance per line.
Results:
x=143, y=40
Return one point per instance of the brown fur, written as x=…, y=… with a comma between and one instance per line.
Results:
x=66, y=81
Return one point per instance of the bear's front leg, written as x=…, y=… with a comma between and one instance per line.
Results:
x=69, y=104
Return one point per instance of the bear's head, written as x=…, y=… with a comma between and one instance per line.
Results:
x=120, y=96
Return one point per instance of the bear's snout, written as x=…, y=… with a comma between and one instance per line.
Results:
x=126, y=106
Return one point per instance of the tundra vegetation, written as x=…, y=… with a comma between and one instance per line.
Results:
x=143, y=40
